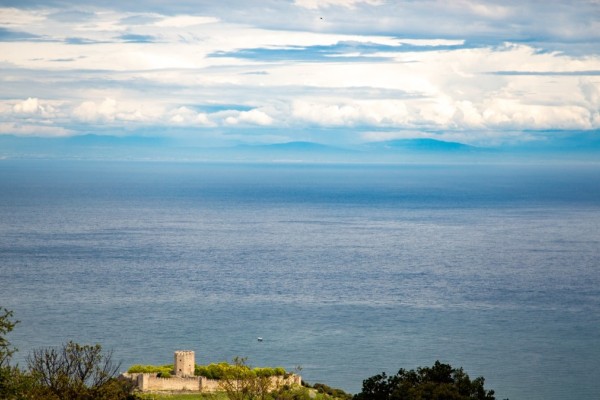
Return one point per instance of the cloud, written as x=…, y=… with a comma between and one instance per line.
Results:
x=547, y=73
x=11, y=128
x=21, y=17
x=467, y=67
x=186, y=116
x=133, y=38
x=591, y=92
x=318, y=4
x=183, y=21
x=8, y=35
x=29, y=106
x=388, y=112
x=90, y=111
x=81, y=41
x=252, y=117
x=343, y=51
x=119, y=113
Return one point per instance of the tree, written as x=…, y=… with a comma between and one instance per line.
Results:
x=440, y=382
x=6, y=326
x=76, y=372
x=241, y=382
x=14, y=383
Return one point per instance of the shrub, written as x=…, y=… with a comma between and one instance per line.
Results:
x=151, y=369
x=212, y=371
x=220, y=370
x=333, y=392
x=295, y=393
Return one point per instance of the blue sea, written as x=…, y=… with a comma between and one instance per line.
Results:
x=343, y=270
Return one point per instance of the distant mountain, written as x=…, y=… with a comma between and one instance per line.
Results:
x=293, y=147
x=543, y=146
x=421, y=145
x=561, y=141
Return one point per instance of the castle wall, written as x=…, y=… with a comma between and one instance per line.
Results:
x=152, y=383
x=184, y=379
x=209, y=385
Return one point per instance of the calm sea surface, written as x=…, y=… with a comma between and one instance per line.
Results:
x=344, y=270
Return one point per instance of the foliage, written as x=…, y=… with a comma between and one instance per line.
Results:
x=318, y=391
x=241, y=382
x=292, y=393
x=220, y=370
x=6, y=326
x=151, y=369
x=14, y=383
x=440, y=382
x=212, y=371
x=76, y=372
x=332, y=392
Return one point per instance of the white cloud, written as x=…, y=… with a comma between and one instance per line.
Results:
x=476, y=88
x=251, y=117
x=183, y=21
x=385, y=112
x=109, y=110
x=14, y=17
x=33, y=107
x=591, y=92
x=493, y=11
x=90, y=111
x=202, y=119
x=255, y=117
x=317, y=4
x=33, y=129
x=182, y=115
x=29, y=106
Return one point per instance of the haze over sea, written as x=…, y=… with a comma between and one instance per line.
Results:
x=345, y=270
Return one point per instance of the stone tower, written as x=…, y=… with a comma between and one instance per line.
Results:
x=184, y=363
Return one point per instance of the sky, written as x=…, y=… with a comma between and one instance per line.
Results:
x=337, y=72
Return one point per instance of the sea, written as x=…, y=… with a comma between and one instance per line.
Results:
x=344, y=270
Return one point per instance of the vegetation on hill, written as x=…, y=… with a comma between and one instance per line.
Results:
x=86, y=372
x=216, y=371
x=163, y=371
x=439, y=382
x=222, y=370
x=69, y=372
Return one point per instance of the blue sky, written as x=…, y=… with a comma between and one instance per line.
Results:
x=338, y=72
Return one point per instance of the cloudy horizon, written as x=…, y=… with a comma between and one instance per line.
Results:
x=338, y=72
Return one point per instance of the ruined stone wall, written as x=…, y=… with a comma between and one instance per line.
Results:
x=209, y=385
x=152, y=383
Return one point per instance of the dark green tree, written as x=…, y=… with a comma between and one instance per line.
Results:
x=439, y=382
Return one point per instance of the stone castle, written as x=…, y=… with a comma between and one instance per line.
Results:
x=184, y=379
x=184, y=363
